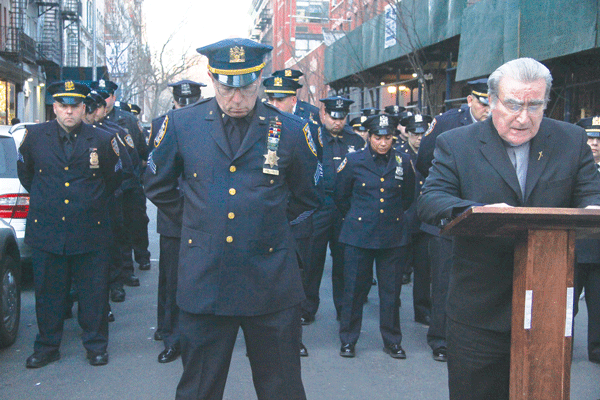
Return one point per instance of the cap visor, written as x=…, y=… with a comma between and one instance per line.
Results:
x=380, y=132
x=337, y=114
x=237, y=80
x=68, y=100
x=483, y=100
x=185, y=101
x=277, y=95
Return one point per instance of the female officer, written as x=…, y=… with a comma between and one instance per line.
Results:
x=374, y=186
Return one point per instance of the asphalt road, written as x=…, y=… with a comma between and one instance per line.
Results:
x=134, y=373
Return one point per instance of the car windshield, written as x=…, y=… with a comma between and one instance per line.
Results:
x=8, y=158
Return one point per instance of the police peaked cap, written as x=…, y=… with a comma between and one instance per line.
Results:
x=186, y=88
x=591, y=126
x=369, y=111
x=106, y=85
x=337, y=106
x=68, y=92
x=403, y=116
x=280, y=87
x=94, y=98
x=479, y=89
x=356, y=123
x=381, y=124
x=394, y=110
x=122, y=106
x=417, y=123
x=288, y=73
x=235, y=62
x=135, y=109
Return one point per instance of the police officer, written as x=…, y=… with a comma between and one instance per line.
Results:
x=185, y=92
x=440, y=248
x=246, y=170
x=399, y=113
x=336, y=139
x=134, y=201
x=358, y=128
x=374, y=187
x=587, y=269
x=304, y=110
x=70, y=169
x=418, y=241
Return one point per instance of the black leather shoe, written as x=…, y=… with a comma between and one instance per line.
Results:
x=131, y=280
x=425, y=320
x=158, y=335
x=307, y=319
x=117, y=295
x=347, y=350
x=395, y=351
x=111, y=316
x=439, y=354
x=169, y=354
x=97, y=359
x=145, y=266
x=303, y=350
x=39, y=360
x=405, y=279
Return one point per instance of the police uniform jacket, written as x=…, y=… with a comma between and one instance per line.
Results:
x=472, y=168
x=130, y=123
x=129, y=173
x=372, y=200
x=307, y=112
x=67, y=211
x=238, y=255
x=334, y=152
x=442, y=123
x=164, y=225
x=412, y=220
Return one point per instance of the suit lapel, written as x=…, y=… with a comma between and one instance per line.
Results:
x=539, y=154
x=216, y=129
x=370, y=161
x=493, y=150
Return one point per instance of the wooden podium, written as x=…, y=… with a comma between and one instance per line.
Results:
x=543, y=289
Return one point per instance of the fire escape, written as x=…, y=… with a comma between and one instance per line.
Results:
x=15, y=44
x=70, y=15
x=48, y=46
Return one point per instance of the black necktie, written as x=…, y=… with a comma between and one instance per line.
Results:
x=68, y=145
x=236, y=130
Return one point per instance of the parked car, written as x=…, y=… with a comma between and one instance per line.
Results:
x=10, y=289
x=14, y=199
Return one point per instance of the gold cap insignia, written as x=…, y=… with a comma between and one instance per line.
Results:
x=278, y=81
x=288, y=72
x=383, y=121
x=69, y=86
x=596, y=121
x=237, y=54
x=339, y=103
x=363, y=119
x=418, y=118
x=102, y=83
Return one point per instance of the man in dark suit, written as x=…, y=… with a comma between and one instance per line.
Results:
x=516, y=158
x=70, y=170
x=440, y=248
x=587, y=270
x=246, y=173
x=185, y=92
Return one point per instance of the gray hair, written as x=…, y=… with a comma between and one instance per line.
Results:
x=523, y=70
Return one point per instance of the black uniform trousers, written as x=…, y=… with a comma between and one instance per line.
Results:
x=136, y=228
x=115, y=206
x=419, y=250
x=440, y=259
x=52, y=275
x=588, y=276
x=327, y=224
x=358, y=263
x=478, y=363
x=168, y=311
x=272, y=343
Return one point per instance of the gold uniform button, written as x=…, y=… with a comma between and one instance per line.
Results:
x=232, y=168
x=382, y=200
x=398, y=219
x=35, y=220
x=382, y=179
x=381, y=211
x=66, y=201
x=231, y=215
x=382, y=190
x=63, y=218
x=271, y=250
x=360, y=218
x=229, y=239
x=67, y=184
x=195, y=175
x=98, y=222
x=420, y=182
x=272, y=181
x=364, y=184
x=232, y=192
x=190, y=241
x=40, y=171
x=66, y=169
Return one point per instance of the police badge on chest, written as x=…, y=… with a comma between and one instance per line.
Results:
x=399, y=170
x=94, y=160
x=270, y=165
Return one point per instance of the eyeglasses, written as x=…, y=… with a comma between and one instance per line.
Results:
x=516, y=107
x=245, y=91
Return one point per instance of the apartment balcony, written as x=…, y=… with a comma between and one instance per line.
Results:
x=16, y=45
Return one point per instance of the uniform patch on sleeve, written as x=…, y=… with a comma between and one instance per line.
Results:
x=342, y=165
x=129, y=141
x=162, y=131
x=309, y=140
x=431, y=126
x=115, y=145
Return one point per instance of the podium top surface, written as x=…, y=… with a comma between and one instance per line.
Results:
x=509, y=221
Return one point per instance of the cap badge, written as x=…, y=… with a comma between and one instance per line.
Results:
x=418, y=118
x=237, y=54
x=102, y=83
x=69, y=86
x=339, y=103
x=396, y=109
x=363, y=119
x=596, y=121
x=288, y=72
x=383, y=121
x=186, y=89
x=278, y=81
